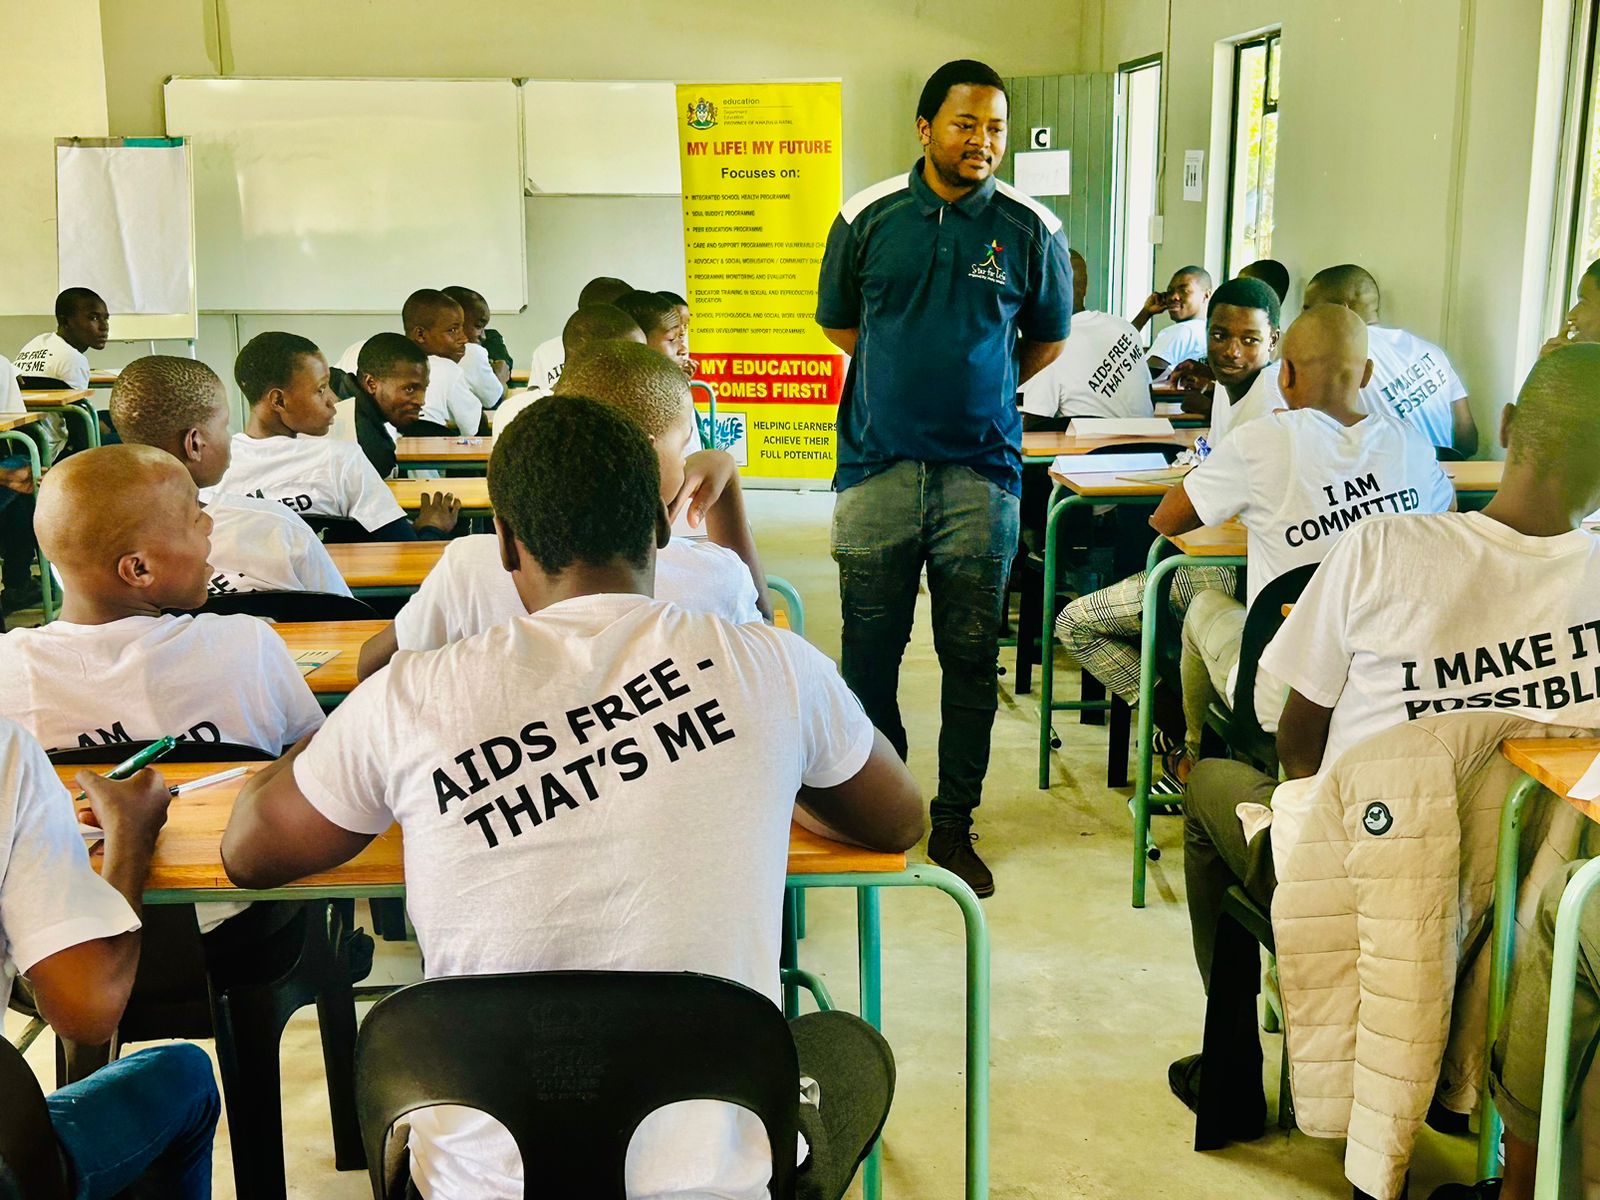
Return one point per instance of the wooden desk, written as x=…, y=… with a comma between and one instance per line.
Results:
x=443, y=451
x=385, y=568
x=1042, y=446
x=1212, y=541
x=1476, y=476
x=55, y=397
x=1108, y=485
x=471, y=490
x=519, y=376
x=337, y=676
x=18, y=420
x=1558, y=764
x=1172, y=410
x=103, y=379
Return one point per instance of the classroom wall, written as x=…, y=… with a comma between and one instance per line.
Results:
x=1404, y=134
x=882, y=49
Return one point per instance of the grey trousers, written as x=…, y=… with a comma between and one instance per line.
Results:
x=1215, y=854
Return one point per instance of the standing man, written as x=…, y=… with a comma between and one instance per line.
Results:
x=928, y=280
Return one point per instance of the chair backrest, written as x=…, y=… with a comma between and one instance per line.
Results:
x=1448, y=454
x=1263, y=620
x=291, y=606
x=570, y=1062
x=337, y=529
x=29, y=1151
x=183, y=752
x=40, y=383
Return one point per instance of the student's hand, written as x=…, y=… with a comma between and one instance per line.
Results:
x=18, y=479
x=438, y=510
x=691, y=367
x=1192, y=375
x=131, y=811
x=1564, y=338
x=1154, y=304
x=502, y=371
x=706, y=475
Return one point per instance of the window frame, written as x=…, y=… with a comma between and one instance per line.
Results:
x=1580, y=148
x=1271, y=41
x=1119, y=302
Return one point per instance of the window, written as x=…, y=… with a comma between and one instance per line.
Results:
x=1584, y=246
x=1138, y=142
x=1253, y=150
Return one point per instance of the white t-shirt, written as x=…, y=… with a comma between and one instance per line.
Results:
x=526, y=850
x=49, y=356
x=468, y=591
x=448, y=400
x=1180, y=341
x=1412, y=379
x=1262, y=398
x=260, y=546
x=311, y=476
x=1100, y=372
x=513, y=406
x=544, y=368
x=1416, y=616
x=480, y=377
x=201, y=678
x=10, y=390
x=1298, y=480
x=50, y=897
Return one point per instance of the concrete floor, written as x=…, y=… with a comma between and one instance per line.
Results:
x=1091, y=999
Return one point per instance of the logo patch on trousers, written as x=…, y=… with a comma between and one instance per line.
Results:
x=1377, y=819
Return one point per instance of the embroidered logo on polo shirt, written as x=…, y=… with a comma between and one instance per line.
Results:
x=702, y=114
x=1377, y=819
x=990, y=267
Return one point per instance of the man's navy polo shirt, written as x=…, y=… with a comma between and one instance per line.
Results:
x=939, y=292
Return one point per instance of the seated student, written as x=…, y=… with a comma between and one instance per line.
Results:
x=1101, y=630
x=435, y=322
x=179, y=405
x=1235, y=403
x=16, y=511
x=1099, y=373
x=575, y=879
x=468, y=591
x=690, y=366
x=476, y=368
x=1394, y=610
x=144, y=1124
x=285, y=380
x=1582, y=323
x=1411, y=377
x=391, y=383
x=1185, y=300
x=1298, y=480
x=590, y=324
x=1270, y=272
x=544, y=368
x=663, y=326
x=82, y=323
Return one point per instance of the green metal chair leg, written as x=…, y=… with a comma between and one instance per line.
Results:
x=793, y=603
x=1553, y=1159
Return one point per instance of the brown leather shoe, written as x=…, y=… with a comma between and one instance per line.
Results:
x=950, y=847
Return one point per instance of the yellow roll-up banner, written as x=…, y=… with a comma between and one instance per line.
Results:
x=761, y=185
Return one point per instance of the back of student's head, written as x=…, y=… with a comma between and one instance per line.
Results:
x=576, y=482
x=960, y=72
x=71, y=299
x=383, y=352
x=1247, y=293
x=466, y=297
x=674, y=298
x=1556, y=422
x=1270, y=272
x=93, y=503
x=425, y=306
x=597, y=323
x=268, y=361
x=1348, y=284
x=651, y=311
x=602, y=289
x=159, y=398
x=643, y=384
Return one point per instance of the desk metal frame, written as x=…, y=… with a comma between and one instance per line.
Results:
x=47, y=587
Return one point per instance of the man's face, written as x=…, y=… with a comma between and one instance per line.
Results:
x=966, y=139
x=214, y=446
x=1583, y=318
x=306, y=405
x=475, y=320
x=1186, y=297
x=89, y=325
x=1239, y=342
x=671, y=448
x=671, y=339
x=179, y=556
x=399, y=394
x=445, y=335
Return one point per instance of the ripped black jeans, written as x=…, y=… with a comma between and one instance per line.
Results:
x=963, y=528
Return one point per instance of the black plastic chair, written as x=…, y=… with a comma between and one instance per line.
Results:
x=29, y=1152
x=571, y=1062
x=1448, y=454
x=342, y=384
x=291, y=606
x=333, y=530
x=1239, y=725
x=243, y=996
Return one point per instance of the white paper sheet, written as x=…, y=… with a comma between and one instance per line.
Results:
x=1043, y=172
x=1090, y=427
x=1588, y=788
x=1106, y=464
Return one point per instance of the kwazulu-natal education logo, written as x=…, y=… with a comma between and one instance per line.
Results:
x=702, y=114
x=990, y=267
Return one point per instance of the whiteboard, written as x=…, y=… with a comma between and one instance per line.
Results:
x=346, y=195
x=593, y=138
x=123, y=229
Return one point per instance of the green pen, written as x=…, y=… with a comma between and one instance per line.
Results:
x=132, y=766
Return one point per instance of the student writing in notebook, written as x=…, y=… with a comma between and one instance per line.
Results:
x=468, y=591
x=284, y=455
x=657, y=840
x=178, y=405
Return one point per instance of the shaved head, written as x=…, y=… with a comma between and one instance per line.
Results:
x=124, y=526
x=1324, y=358
x=1347, y=284
x=1556, y=421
